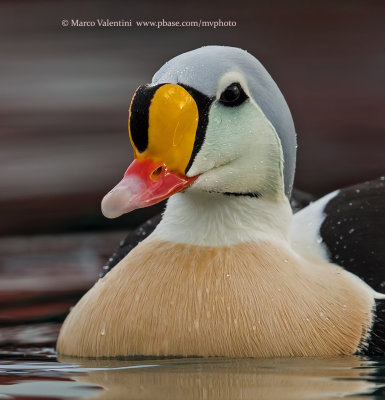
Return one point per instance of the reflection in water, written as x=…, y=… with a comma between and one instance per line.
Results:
x=304, y=378
x=38, y=380
x=214, y=378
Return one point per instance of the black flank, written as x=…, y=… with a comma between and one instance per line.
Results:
x=376, y=343
x=131, y=240
x=354, y=231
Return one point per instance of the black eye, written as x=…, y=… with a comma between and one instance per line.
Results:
x=233, y=95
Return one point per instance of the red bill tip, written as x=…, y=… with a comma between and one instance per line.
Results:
x=145, y=182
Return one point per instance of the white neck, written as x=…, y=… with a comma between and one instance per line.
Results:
x=211, y=219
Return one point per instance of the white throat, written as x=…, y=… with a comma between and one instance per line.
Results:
x=210, y=219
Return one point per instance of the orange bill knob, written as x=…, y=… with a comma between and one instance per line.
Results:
x=163, y=123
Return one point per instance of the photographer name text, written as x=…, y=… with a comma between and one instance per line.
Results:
x=163, y=23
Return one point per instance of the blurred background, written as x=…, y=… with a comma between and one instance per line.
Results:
x=65, y=93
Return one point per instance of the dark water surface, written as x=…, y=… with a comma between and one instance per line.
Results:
x=39, y=374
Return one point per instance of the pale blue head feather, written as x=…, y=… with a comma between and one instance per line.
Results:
x=202, y=68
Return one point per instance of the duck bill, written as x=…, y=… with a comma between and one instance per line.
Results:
x=145, y=182
x=162, y=124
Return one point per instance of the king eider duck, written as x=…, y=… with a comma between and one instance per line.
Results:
x=228, y=271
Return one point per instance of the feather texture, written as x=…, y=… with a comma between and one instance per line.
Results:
x=250, y=299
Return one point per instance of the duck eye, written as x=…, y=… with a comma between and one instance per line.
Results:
x=233, y=95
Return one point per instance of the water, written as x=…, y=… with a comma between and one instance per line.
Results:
x=30, y=369
x=47, y=377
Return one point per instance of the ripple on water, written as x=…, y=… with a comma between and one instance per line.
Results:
x=194, y=378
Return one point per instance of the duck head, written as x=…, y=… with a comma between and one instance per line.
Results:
x=211, y=120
